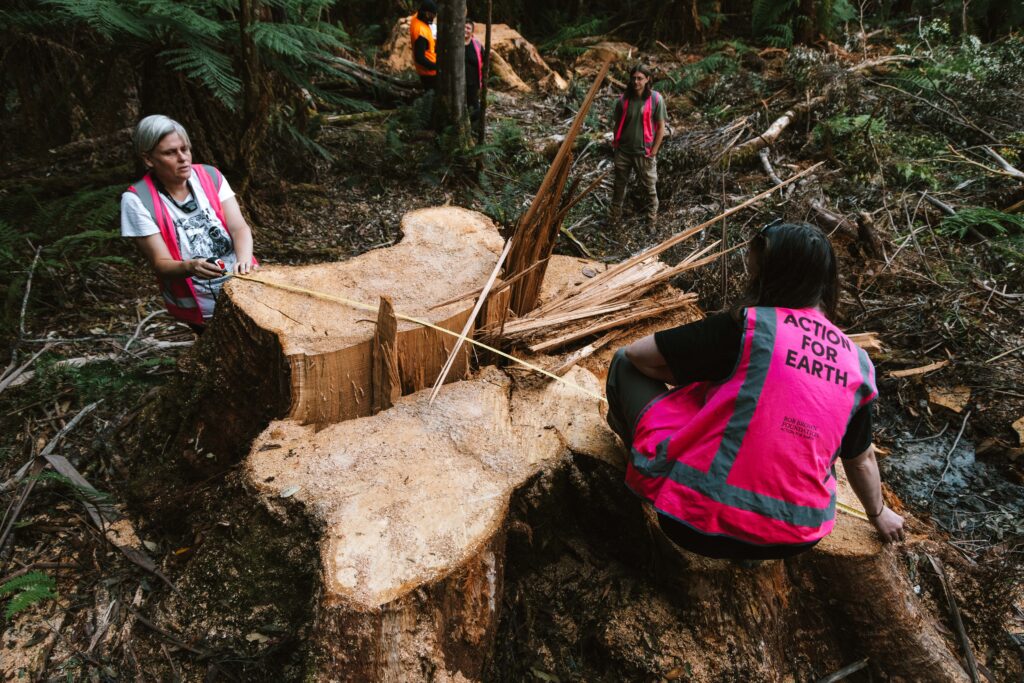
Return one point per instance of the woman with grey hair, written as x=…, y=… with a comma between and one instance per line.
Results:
x=185, y=220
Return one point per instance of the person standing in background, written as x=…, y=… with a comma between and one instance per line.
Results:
x=422, y=32
x=474, y=71
x=639, y=130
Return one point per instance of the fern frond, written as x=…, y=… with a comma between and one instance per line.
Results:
x=210, y=67
x=30, y=580
x=108, y=18
x=183, y=19
x=983, y=220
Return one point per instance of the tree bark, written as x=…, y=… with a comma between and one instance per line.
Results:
x=450, y=105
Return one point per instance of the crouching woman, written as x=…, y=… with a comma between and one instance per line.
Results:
x=185, y=220
x=738, y=459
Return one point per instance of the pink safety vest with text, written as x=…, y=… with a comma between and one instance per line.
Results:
x=179, y=294
x=753, y=457
x=648, y=120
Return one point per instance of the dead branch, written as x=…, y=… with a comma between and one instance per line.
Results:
x=346, y=119
x=954, y=612
x=470, y=321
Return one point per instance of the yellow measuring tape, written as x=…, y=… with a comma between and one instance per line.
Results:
x=425, y=323
x=854, y=512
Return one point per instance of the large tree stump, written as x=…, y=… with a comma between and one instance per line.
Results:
x=410, y=505
x=417, y=517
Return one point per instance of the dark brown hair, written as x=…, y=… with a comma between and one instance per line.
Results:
x=793, y=266
x=646, y=71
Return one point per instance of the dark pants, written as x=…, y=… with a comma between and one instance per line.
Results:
x=629, y=392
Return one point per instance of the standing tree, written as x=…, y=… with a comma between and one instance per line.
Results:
x=450, y=108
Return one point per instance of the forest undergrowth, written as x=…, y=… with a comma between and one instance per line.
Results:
x=922, y=191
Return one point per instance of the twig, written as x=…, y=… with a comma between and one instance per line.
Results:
x=954, y=612
x=1005, y=353
x=949, y=454
x=138, y=328
x=11, y=377
x=470, y=321
x=28, y=290
x=845, y=671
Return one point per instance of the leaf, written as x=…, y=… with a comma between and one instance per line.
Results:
x=956, y=399
x=1018, y=427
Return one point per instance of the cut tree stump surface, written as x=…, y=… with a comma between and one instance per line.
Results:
x=405, y=497
x=327, y=346
x=442, y=250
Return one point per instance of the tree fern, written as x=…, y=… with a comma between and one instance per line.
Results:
x=27, y=590
x=983, y=220
x=210, y=67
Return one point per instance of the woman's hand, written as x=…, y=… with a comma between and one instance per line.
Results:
x=889, y=525
x=202, y=269
x=245, y=266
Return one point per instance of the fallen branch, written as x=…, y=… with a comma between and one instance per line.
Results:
x=949, y=453
x=924, y=369
x=338, y=119
x=954, y=612
x=12, y=378
x=470, y=321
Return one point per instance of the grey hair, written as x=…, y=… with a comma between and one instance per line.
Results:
x=152, y=129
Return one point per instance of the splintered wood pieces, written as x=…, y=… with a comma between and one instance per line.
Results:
x=408, y=496
x=327, y=344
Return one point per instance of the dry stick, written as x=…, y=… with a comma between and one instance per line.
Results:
x=958, y=624
x=11, y=377
x=469, y=322
x=1004, y=353
x=845, y=671
x=949, y=455
x=28, y=290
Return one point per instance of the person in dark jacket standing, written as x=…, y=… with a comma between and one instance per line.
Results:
x=424, y=44
x=474, y=71
x=639, y=130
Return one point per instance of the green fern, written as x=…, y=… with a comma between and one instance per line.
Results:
x=983, y=220
x=27, y=590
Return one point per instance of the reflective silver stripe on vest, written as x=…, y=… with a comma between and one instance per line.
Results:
x=713, y=482
x=863, y=391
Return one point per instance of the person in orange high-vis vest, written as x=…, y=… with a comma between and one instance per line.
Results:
x=185, y=220
x=424, y=43
x=738, y=460
x=639, y=120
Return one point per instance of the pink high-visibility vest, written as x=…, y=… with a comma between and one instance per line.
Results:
x=753, y=457
x=650, y=105
x=179, y=293
x=479, y=61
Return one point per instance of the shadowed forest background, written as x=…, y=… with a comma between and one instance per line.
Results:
x=914, y=106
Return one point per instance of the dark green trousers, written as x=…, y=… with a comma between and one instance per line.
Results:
x=629, y=391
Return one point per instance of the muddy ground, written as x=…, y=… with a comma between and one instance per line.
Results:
x=931, y=294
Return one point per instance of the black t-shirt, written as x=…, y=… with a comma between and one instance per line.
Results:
x=708, y=350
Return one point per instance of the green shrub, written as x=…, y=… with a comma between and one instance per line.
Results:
x=27, y=590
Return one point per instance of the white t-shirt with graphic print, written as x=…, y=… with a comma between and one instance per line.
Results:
x=200, y=234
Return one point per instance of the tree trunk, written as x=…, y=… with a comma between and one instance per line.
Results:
x=256, y=96
x=450, y=105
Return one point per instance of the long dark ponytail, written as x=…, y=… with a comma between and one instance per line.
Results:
x=792, y=266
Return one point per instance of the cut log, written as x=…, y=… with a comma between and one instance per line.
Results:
x=410, y=506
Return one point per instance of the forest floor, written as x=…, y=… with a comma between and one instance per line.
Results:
x=941, y=291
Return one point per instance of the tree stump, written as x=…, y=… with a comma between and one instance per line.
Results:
x=489, y=533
